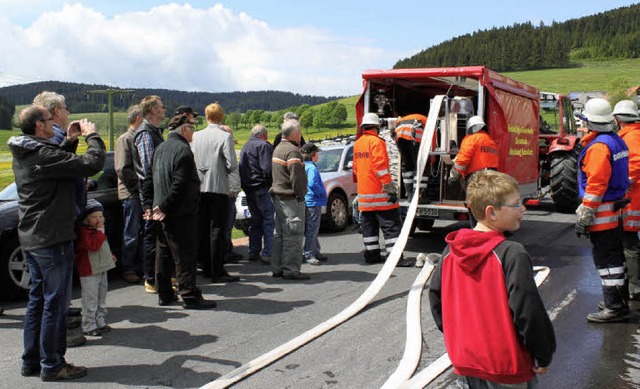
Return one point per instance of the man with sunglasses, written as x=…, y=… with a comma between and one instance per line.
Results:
x=46, y=178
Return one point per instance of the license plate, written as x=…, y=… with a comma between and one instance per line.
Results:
x=431, y=212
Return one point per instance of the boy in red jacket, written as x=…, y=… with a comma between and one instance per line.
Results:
x=483, y=295
x=93, y=260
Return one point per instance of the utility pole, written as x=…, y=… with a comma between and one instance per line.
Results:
x=110, y=93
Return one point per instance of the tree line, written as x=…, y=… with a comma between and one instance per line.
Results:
x=329, y=115
x=78, y=100
x=525, y=46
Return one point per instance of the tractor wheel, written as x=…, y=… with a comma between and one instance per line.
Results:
x=564, y=181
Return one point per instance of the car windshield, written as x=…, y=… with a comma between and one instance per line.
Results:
x=9, y=193
x=329, y=160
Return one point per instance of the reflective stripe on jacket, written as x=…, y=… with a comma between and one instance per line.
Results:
x=477, y=151
x=411, y=127
x=603, y=177
x=371, y=169
x=630, y=134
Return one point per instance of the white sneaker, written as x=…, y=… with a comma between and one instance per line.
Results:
x=312, y=261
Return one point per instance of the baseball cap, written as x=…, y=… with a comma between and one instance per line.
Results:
x=308, y=148
x=185, y=109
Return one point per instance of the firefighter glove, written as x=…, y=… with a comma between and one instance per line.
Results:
x=392, y=191
x=586, y=216
x=454, y=176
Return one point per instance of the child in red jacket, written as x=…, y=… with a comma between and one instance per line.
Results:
x=483, y=295
x=93, y=260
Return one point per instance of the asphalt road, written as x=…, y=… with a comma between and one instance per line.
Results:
x=168, y=347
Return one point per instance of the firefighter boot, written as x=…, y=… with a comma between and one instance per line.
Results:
x=609, y=315
x=373, y=256
x=615, y=306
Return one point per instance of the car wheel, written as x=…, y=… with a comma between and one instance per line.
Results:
x=337, y=216
x=16, y=277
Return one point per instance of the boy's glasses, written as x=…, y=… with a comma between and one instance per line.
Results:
x=518, y=205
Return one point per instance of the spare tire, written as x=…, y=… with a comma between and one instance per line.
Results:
x=564, y=181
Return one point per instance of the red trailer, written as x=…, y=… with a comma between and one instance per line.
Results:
x=510, y=108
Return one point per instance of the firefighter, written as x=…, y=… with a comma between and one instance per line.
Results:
x=628, y=120
x=408, y=135
x=603, y=179
x=477, y=152
x=377, y=193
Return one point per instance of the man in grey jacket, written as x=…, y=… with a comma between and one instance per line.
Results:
x=288, y=191
x=46, y=177
x=129, y=194
x=215, y=158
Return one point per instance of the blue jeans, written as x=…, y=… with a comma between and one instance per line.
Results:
x=262, y=223
x=131, y=234
x=45, y=321
x=312, y=227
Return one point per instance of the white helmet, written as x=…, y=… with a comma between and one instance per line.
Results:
x=626, y=111
x=370, y=119
x=598, y=110
x=475, y=124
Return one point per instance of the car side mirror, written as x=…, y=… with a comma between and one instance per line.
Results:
x=91, y=185
x=350, y=165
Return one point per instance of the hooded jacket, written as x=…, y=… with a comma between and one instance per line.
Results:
x=46, y=177
x=484, y=299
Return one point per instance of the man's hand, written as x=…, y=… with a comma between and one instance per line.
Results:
x=87, y=127
x=540, y=370
x=73, y=131
x=586, y=216
x=147, y=214
x=454, y=176
x=158, y=215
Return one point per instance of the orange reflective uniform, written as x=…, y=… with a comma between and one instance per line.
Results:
x=477, y=151
x=405, y=127
x=631, y=214
x=597, y=167
x=371, y=169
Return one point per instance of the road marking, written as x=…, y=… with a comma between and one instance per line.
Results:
x=567, y=300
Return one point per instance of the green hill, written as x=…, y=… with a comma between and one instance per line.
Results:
x=613, y=34
x=588, y=76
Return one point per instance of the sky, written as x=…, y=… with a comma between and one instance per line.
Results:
x=306, y=47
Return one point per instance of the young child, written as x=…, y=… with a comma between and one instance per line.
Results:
x=93, y=260
x=315, y=199
x=483, y=295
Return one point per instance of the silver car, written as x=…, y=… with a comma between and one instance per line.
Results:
x=335, y=162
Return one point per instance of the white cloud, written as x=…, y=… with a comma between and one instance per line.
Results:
x=181, y=47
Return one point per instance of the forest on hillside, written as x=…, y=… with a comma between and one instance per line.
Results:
x=79, y=100
x=525, y=46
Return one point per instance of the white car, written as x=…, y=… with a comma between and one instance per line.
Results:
x=335, y=162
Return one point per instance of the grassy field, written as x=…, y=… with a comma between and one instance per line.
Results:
x=589, y=76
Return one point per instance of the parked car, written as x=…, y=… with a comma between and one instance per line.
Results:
x=335, y=162
x=15, y=280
